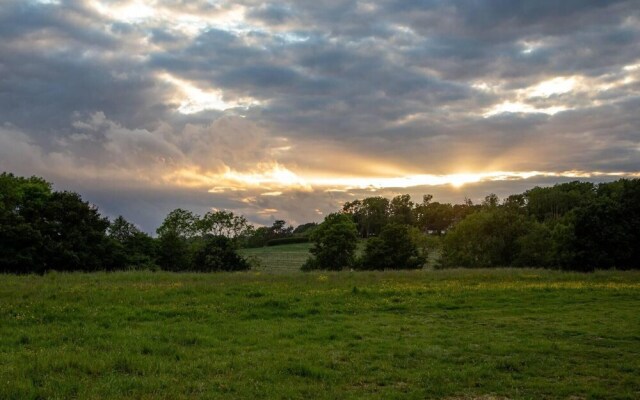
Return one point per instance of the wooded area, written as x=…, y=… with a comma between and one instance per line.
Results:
x=574, y=226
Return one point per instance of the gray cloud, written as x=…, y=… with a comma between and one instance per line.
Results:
x=98, y=94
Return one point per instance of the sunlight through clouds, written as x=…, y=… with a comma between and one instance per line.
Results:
x=278, y=179
x=131, y=12
x=559, y=85
x=517, y=107
x=193, y=99
x=265, y=101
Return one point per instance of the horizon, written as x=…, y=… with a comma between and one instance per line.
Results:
x=283, y=110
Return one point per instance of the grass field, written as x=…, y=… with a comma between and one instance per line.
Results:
x=289, y=258
x=276, y=259
x=459, y=334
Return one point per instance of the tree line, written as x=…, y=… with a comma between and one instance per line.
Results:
x=42, y=230
x=575, y=226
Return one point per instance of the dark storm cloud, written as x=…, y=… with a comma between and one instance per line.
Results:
x=123, y=89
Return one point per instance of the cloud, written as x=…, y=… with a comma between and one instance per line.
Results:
x=250, y=105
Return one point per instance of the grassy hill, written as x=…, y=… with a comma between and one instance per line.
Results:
x=290, y=257
x=461, y=334
x=284, y=258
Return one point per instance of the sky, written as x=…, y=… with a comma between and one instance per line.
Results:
x=287, y=109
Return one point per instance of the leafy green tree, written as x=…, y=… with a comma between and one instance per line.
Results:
x=74, y=235
x=279, y=229
x=401, y=210
x=223, y=223
x=42, y=230
x=554, y=202
x=424, y=243
x=174, y=235
x=258, y=237
x=491, y=201
x=487, y=238
x=217, y=253
x=392, y=249
x=461, y=211
x=434, y=217
x=334, y=243
x=179, y=222
x=535, y=248
x=21, y=203
x=370, y=214
x=305, y=229
x=515, y=202
x=138, y=249
x=607, y=231
x=174, y=252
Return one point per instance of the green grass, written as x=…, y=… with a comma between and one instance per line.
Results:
x=521, y=334
x=284, y=258
x=290, y=257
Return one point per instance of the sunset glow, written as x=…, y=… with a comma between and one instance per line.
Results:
x=282, y=109
x=280, y=178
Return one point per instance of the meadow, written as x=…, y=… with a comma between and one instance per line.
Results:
x=278, y=259
x=454, y=334
x=289, y=258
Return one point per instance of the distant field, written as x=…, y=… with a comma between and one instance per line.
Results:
x=285, y=258
x=461, y=334
x=290, y=257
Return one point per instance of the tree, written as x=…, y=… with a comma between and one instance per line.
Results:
x=42, y=230
x=217, y=253
x=279, y=229
x=138, y=249
x=434, y=217
x=179, y=222
x=554, y=202
x=491, y=201
x=423, y=242
x=535, y=248
x=258, y=238
x=177, y=229
x=174, y=253
x=223, y=223
x=21, y=203
x=305, y=229
x=74, y=235
x=334, y=243
x=401, y=210
x=607, y=231
x=487, y=238
x=392, y=249
x=370, y=214
x=461, y=211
